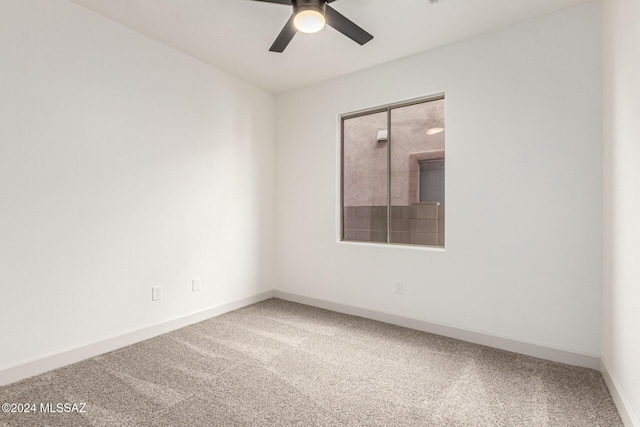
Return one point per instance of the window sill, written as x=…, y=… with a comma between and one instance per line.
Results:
x=393, y=245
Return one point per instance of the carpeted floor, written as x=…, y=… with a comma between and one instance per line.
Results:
x=278, y=363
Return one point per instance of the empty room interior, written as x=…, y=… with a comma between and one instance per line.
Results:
x=320, y=213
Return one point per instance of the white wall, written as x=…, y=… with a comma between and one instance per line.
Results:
x=123, y=165
x=524, y=187
x=621, y=59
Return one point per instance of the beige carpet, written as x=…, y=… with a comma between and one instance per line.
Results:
x=278, y=363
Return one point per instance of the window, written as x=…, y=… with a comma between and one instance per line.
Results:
x=393, y=174
x=432, y=181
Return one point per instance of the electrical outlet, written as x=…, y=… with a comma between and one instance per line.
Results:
x=195, y=285
x=399, y=287
x=156, y=293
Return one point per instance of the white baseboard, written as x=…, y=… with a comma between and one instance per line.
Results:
x=29, y=368
x=624, y=408
x=26, y=369
x=554, y=354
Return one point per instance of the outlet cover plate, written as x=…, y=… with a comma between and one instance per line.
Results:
x=156, y=293
x=195, y=284
x=399, y=288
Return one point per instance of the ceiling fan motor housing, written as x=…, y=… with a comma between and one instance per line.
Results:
x=315, y=5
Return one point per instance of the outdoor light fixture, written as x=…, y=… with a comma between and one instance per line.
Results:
x=434, y=131
x=309, y=19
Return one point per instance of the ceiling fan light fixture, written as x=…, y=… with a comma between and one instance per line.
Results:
x=309, y=21
x=311, y=16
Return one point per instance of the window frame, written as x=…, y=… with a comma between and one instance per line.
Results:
x=365, y=112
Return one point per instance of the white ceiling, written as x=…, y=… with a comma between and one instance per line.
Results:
x=235, y=35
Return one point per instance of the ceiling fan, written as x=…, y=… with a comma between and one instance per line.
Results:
x=310, y=16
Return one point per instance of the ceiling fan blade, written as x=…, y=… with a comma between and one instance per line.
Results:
x=284, y=37
x=287, y=2
x=330, y=1
x=346, y=26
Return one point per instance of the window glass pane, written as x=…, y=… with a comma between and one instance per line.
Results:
x=417, y=174
x=432, y=181
x=365, y=187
